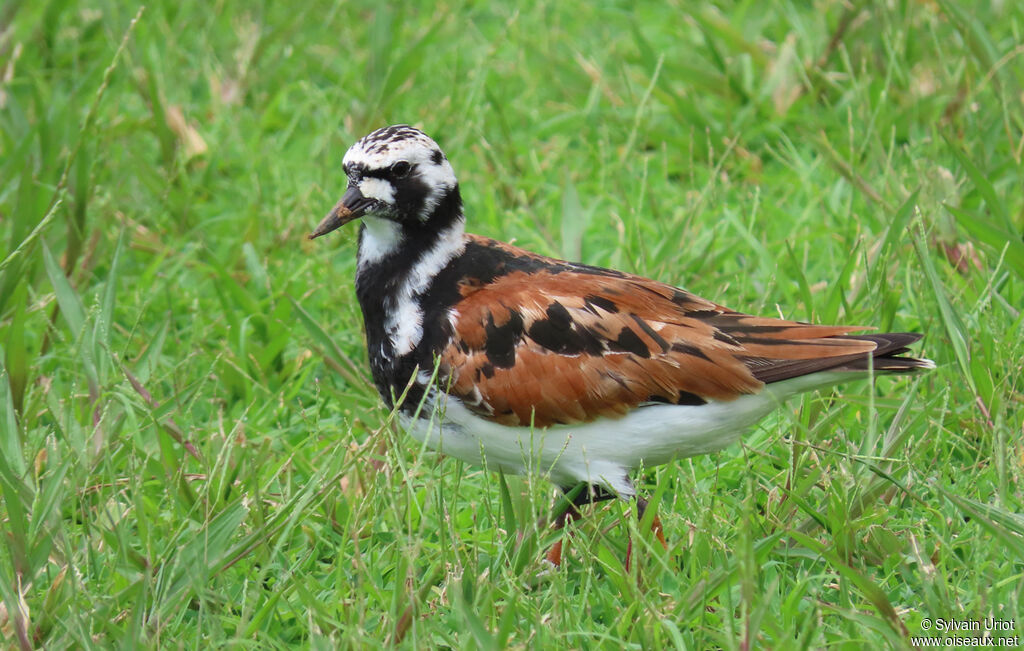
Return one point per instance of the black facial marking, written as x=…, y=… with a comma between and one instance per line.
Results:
x=437, y=157
x=400, y=169
x=560, y=334
x=689, y=349
x=629, y=342
x=410, y=193
x=501, y=341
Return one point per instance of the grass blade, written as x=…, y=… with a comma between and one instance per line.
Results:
x=1006, y=526
x=70, y=306
x=872, y=592
x=951, y=321
x=10, y=434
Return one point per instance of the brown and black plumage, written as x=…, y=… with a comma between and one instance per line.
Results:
x=579, y=373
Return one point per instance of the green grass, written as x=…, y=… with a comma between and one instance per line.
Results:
x=191, y=456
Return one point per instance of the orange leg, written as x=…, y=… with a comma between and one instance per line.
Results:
x=554, y=555
x=586, y=495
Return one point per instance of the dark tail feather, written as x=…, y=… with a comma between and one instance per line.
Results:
x=883, y=359
x=886, y=358
x=889, y=365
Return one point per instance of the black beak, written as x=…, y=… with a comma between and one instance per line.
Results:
x=352, y=205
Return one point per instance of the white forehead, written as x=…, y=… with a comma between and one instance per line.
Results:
x=389, y=145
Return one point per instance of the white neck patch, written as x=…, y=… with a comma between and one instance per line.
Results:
x=404, y=321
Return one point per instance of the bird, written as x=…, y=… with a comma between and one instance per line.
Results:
x=524, y=363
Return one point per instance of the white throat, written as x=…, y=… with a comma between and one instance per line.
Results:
x=381, y=238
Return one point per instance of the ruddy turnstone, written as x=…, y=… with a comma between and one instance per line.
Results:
x=525, y=363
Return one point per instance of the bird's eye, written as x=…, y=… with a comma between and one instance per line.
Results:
x=400, y=169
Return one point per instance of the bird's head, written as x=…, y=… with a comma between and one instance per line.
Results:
x=396, y=173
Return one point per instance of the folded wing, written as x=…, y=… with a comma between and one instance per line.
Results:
x=565, y=345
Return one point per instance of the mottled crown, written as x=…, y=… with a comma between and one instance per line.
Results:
x=388, y=145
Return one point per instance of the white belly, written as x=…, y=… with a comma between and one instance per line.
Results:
x=601, y=452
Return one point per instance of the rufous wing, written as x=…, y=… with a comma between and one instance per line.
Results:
x=545, y=346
